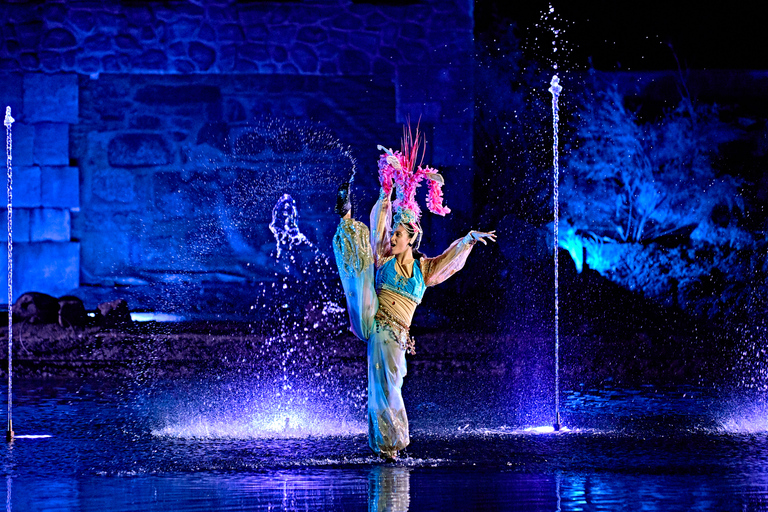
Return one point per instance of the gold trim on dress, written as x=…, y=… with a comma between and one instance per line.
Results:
x=352, y=247
x=399, y=329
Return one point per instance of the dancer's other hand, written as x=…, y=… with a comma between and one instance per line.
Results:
x=480, y=236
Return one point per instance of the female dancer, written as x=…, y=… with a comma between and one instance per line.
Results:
x=381, y=307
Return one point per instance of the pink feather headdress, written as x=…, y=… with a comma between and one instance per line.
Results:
x=401, y=168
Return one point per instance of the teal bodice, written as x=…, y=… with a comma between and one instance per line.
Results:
x=387, y=278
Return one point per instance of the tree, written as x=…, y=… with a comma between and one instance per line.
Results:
x=643, y=204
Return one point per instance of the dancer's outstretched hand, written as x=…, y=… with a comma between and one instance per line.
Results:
x=480, y=236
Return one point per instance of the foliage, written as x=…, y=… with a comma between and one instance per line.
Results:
x=643, y=205
x=637, y=182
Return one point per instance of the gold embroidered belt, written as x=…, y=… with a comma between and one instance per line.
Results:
x=398, y=328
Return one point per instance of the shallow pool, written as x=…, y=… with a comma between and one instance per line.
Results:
x=213, y=444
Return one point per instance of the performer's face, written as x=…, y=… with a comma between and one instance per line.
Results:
x=399, y=240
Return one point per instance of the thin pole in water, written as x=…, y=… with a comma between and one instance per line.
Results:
x=555, y=89
x=9, y=168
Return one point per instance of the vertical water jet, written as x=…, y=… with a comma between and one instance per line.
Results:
x=555, y=89
x=9, y=171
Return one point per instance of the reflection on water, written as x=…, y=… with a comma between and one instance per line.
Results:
x=389, y=489
x=661, y=453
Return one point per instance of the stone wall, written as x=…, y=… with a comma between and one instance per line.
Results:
x=144, y=103
x=45, y=185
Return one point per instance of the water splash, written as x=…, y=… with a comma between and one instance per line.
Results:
x=295, y=389
x=9, y=171
x=555, y=89
x=285, y=224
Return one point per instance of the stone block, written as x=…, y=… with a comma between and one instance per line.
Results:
x=204, y=56
x=354, y=62
x=114, y=186
x=51, y=98
x=47, y=267
x=49, y=224
x=304, y=58
x=60, y=187
x=20, y=225
x=26, y=187
x=151, y=60
x=23, y=144
x=11, y=96
x=59, y=39
x=139, y=150
x=51, y=144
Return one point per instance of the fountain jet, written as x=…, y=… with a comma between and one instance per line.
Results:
x=9, y=171
x=555, y=89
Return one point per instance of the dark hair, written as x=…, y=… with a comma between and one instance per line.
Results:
x=416, y=243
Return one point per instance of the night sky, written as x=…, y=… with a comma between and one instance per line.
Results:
x=637, y=35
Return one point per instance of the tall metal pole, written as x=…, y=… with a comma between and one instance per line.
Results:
x=555, y=89
x=9, y=168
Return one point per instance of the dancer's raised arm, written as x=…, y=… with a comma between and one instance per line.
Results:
x=381, y=227
x=438, y=269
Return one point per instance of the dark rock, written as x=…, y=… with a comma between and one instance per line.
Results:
x=234, y=111
x=178, y=49
x=204, y=56
x=279, y=54
x=347, y=21
x=329, y=68
x=252, y=13
x=72, y=312
x=206, y=33
x=152, y=59
x=146, y=122
x=127, y=42
x=412, y=31
x=147, y=33
x=281, y=14
x=138, y=150
x=253, y=51
x=382, y=67
x=245, y=66
x=54, y=13
x=312, y=35
x=29, y=61
x=376, y=20
x=29, y=34
x=82, y=19
x=98, y=43
x=177, y=95
x=369, y=43
x=305, y=58
x=69, y=58
x=231, y=32
x=227, y=56
x=287, y=142
x=59, y=38
x=354, y=62
x=113, y=314
x=51, y=61
x=36, y=308
x=221, y=13
x=110, y=63
x=12, y=47
x=183, y=29
x=88, y=64
x=138, y=14
x=183, y=66
x=256, y=33
x=250, y=144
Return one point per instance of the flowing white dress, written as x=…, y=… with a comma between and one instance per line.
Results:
x=381, y=299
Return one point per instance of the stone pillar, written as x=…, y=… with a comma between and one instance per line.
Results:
x=46, y=187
